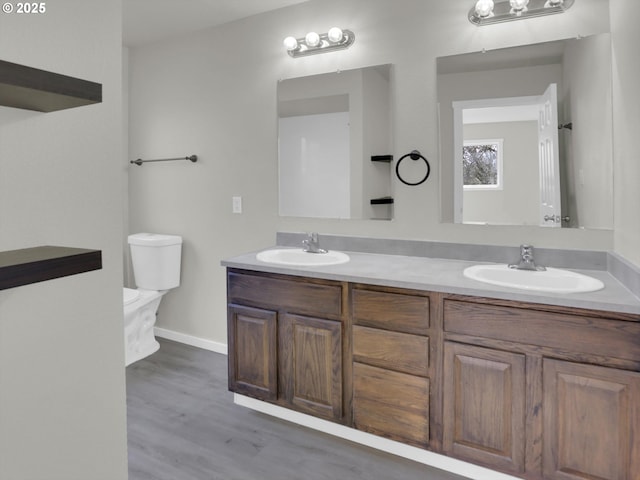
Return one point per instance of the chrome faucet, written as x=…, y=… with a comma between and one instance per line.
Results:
x=312, y=244
x=526, y=260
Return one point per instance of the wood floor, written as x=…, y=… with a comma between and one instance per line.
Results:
x=183, y=425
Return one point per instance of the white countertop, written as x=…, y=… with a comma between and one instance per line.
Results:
x=443, y=275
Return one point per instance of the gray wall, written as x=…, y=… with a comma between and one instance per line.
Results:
x=214, y=93
x=626, y=121
x=62, y=385
x=589, y=179
x=518, y=201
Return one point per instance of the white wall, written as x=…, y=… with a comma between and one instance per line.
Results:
x=214, y=94
x=626, y=125
x=62, y=382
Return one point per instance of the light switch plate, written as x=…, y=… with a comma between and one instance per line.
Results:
x=237, y=204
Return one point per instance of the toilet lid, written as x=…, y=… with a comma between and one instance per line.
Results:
x=129, y=295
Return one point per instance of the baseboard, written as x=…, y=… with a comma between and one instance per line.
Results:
x=425, y=457
x=191, y=340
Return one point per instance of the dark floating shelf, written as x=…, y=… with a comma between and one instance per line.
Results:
x=382, y=201
x=42, y=91
x=382, y=158
x=38, y=264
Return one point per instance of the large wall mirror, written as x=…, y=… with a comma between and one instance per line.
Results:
x=329, y=128
x=526, y=135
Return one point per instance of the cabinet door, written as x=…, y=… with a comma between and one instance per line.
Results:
x=311, y=365
x=591, y=422
x=252, y=352
x=484, y=406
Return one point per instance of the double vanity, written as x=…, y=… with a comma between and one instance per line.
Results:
x=532, y=381
x=438, y=352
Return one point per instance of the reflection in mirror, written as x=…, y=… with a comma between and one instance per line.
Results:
x=548, y=106
x=329, y=127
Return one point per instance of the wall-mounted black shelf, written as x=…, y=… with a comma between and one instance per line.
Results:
x=42, y=91
x=38, y=264
x=382, y=158
x=382, y=201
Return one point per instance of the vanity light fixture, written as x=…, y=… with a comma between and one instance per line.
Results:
x=486, y=12
x=519, y=6
x=312, y=43
x=484, y=8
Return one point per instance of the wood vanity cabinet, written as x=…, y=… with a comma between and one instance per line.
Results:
x=392, y=370
x=541, y=391
x=286, y=342
x=532, y=390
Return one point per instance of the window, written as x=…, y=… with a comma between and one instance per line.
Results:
x=482, y=164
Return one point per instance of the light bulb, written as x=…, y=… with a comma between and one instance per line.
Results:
x=335, y=35
x=518, y=5
x=312, y=39
x=484, y=8
x=290, y=43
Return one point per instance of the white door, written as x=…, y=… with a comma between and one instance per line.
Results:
x=550, y=213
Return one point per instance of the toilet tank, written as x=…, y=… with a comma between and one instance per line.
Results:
x=156, y=260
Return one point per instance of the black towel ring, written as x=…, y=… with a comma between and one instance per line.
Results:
x=415, y=155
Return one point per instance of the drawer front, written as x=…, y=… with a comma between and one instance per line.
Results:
x=391, y=404
x=293, y=295
x=391, y=311
x=580, y=334
x=401, y=352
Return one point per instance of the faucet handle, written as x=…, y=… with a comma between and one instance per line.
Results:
x=526, y=260
x=310, y=242
x=526, y=250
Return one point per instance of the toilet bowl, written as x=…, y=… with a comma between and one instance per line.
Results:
x=140, y=307
x=156, y=262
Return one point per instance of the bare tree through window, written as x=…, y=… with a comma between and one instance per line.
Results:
x=481, y=164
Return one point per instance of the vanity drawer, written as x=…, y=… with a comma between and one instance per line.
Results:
x=391, y=311
x=296, y=295
x=562, y=331
x=392, y=404
x=401, y=352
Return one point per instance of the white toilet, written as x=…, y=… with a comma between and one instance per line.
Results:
x=156, y=269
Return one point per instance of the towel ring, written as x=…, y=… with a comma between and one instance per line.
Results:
x=415, y=155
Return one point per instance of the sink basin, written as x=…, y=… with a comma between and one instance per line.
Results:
x=297, y=256
x=553, y=280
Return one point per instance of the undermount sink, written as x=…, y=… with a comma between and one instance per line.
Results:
x=297, y=256
x=553, y=280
